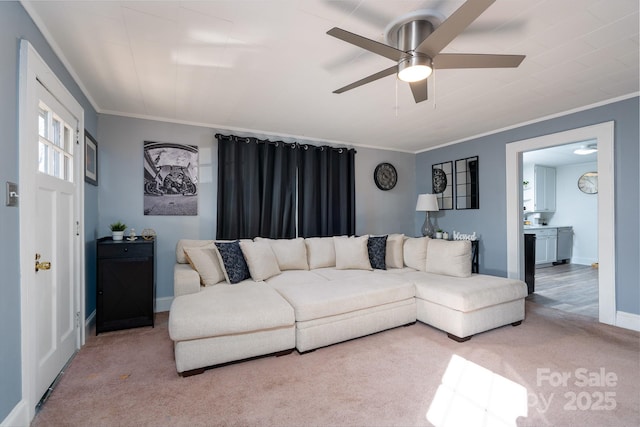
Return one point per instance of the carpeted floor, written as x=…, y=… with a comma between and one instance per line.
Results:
x=555, y=369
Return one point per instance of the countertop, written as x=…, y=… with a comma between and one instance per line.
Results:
x=543, y=227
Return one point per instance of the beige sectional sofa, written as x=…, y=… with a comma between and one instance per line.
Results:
x=310, y=293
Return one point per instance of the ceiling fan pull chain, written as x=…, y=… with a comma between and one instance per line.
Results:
x=396, y=97
x=434, y=89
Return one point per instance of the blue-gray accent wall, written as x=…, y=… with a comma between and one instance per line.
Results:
x=15, y=24
x=490, y=220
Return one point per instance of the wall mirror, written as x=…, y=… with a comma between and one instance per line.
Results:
x=467, y=187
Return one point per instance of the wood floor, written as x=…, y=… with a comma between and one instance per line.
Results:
x=567, y=287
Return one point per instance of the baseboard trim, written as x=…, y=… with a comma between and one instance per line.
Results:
x=90, y=324
x=19, y=416
x=163, y=304
x=583, y=261
x=628, y=320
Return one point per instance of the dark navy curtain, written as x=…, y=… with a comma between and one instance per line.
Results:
x=326, y=191
x=256, y=188
x=259, y=183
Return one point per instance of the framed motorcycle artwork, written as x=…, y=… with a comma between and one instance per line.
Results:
x=170, y=179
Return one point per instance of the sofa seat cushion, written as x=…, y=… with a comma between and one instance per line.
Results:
x=396, y=270
x=466, y=294
x=335, y=274
x=316, y=300
x=228, y=309
x=294, y=277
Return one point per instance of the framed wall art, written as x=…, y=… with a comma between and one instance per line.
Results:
x=170, y=179
x=442, y=184
x=90, y=159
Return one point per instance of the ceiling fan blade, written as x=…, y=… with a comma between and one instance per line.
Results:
x=419, y=90
x=472, y=60
x=452, y=26
x=373, y=77
x=368, y=44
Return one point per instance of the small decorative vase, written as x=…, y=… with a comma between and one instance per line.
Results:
x=445, y=235
x=438, y=235
x=117, y=235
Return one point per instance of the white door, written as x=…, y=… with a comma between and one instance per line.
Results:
x=51, y=207
x=53, y=272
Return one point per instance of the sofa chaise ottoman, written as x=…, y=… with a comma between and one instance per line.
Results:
x=235, y=322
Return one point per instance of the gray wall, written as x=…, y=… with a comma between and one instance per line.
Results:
x=121, y=187
x=490, y=220
x=15, y=24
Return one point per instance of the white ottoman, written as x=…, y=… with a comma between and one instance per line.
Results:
x=226, y=323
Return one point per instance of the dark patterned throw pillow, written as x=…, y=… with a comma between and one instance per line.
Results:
x=377, y=246
x=235, y=266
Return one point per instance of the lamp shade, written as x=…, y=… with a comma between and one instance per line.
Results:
x=427, y=202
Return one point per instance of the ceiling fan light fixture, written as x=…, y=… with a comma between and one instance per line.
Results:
x=415, y=68
x=589, y=149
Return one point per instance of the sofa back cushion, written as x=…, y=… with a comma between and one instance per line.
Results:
x=394, y=257
x=260, y=259
x=352, y=253
x=205, y=261
x=451, y=258
x=290, y=253
x=321, y=252
x=415, y=252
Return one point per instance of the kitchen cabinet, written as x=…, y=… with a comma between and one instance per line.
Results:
x=539, y=195
x=546, y=245
x=126, y=284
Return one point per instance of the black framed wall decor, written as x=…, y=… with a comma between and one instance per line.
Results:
x=442, y=184
x=467, y=185
x=90, y=159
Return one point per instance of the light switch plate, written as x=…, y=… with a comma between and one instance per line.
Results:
x=12, y=194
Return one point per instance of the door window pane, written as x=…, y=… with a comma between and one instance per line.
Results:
x=55, y=144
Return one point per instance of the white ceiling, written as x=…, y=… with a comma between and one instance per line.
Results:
x=268, y=67
x=561, y=155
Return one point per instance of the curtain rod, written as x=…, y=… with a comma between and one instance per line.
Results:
x=235, y=138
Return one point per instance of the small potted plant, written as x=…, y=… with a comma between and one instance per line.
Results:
x=439, y=233
x=117, y=230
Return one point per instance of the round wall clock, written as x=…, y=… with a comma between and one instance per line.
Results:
x=588, y=183
x=439, y=180
x=385, y=176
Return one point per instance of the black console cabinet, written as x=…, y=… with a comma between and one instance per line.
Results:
x=530, y=262
x=126, y=284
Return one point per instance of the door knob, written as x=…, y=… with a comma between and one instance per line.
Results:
x=44, y=265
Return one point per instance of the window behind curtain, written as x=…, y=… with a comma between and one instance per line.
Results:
x=326, y=191
x=256, y=188
x=259, y=182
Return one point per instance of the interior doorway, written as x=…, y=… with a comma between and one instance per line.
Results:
x=604, y=135
x=566, y=255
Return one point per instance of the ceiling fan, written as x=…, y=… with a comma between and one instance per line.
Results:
x=419, y=37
